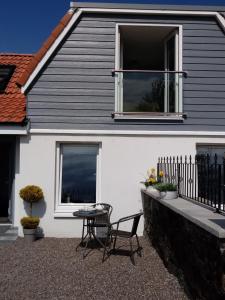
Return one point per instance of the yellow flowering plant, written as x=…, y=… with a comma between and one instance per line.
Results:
x=152, y=178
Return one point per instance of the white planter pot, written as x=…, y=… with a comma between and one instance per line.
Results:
x=150, y=188
x=153, y=191
x=29, y=235
x=168, y=195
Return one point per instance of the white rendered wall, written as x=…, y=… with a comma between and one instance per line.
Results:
x=124, y=162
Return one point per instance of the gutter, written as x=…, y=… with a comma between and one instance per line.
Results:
x=10, y=128
x=13, y=130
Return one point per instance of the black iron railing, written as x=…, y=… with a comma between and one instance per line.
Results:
x=201, y=178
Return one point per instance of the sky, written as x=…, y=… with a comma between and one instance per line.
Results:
x=25, y=24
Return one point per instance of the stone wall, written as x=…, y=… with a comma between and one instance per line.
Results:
x=192, y=253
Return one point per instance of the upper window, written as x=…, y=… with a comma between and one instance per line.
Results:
x=148, y=70
x=78, y=168
x=5, y=75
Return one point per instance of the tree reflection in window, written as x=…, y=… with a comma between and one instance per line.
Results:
x=79, y=173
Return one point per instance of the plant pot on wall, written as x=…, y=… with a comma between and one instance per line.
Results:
x=168, y=191
x=153, y=191
x=169, y=195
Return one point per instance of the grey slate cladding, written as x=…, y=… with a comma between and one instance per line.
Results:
x=77, y=91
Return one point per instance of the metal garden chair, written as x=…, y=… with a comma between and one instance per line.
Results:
x=117, y=233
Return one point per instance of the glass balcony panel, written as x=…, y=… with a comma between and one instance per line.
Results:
x=149, y=91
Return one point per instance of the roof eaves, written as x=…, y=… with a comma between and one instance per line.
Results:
x=111, y=5
x=45, y=47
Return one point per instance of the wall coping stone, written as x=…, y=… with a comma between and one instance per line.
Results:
x=212, y=222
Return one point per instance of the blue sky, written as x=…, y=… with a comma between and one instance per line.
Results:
x=25, y=24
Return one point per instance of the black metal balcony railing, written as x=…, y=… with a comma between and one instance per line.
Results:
x=147, y=92
x=201, y=178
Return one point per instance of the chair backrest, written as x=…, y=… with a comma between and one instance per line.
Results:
x=106, y=207
x=135, y=223
x=135, y=218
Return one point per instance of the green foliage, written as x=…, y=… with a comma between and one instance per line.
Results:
x=166, y=187
x=30, y=222
x=31, y=193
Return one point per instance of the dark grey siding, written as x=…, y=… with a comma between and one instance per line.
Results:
x=76, y=89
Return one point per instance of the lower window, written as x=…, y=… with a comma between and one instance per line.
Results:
x=78, y=173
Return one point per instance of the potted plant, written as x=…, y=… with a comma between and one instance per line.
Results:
x=151, y=179
x=168, y=191
x=30, y=194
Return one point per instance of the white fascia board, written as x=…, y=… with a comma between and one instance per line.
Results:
x=12, y=130
x=221, y=20
x=51, y=50
x=78, y=13
x=127, y=133
x=149, y=11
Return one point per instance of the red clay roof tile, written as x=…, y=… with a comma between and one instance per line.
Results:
x=12, y=101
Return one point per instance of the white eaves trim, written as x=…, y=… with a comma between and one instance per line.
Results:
x=51, y=50
x=127, y=133
x=79, y=11
x=12, y=130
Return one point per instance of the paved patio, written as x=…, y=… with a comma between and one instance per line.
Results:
x=51, y=269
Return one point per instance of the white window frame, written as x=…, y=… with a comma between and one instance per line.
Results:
x=176, y=76
x=66, y=209
x=119, y=76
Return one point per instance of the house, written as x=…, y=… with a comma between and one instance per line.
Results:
x=13, y=124
x=114, y=87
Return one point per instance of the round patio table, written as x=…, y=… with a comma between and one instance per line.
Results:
x=89, y=217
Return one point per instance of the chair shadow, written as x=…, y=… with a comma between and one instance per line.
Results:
x=124, y=252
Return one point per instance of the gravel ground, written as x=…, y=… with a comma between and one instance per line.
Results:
x=51, y=269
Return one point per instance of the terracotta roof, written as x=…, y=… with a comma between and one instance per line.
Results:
x=45, y=47
x=12, y=101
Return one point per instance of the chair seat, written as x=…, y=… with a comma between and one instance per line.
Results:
x=121, y=233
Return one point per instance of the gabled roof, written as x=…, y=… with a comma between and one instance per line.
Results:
x=12, y=101
x=45, y=47
x=78, y=8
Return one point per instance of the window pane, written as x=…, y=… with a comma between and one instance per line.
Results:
x=79, y=173
x=143, y=92
x=5, y=75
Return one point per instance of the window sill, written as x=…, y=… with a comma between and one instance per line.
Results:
x=121, y=116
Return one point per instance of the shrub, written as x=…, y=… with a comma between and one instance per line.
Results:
x=30, y=222
x=31, y=194
x=166, y=187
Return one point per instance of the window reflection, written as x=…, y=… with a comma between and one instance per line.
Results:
x=79, y=173
x=145, y=92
